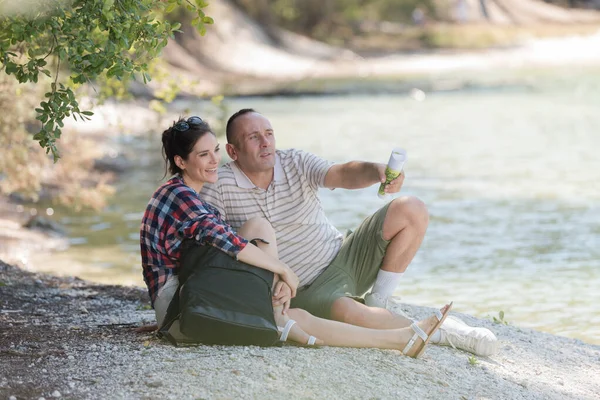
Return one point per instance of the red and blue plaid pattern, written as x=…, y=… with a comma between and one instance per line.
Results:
x=175, y=213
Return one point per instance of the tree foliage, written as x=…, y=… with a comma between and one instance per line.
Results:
x=81, y=41
x=326, y=19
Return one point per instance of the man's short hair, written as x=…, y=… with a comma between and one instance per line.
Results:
x=229, y=127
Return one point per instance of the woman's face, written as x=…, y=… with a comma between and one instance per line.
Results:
x=201, y=164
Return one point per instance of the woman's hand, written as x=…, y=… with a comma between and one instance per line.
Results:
x=292, y=280
x=282, y=295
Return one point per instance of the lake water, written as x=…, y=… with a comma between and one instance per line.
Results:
x=510, y=172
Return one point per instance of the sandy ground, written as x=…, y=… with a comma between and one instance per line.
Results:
x=63, y=337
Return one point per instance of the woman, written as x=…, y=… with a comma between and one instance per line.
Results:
x=176, y=213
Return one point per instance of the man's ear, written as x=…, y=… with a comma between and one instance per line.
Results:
x=231, y=151
x=180, y=162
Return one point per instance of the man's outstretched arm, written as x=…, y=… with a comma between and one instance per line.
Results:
x=358, y=175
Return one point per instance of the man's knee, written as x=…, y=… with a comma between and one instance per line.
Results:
x=410, y=211
x=257, y=227
x=347, y=310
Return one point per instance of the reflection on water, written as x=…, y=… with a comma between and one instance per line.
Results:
x=511, y=179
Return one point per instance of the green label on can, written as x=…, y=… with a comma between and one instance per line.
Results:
x=390, y=175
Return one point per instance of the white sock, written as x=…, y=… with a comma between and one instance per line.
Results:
x=386, y=282
x=436, y=337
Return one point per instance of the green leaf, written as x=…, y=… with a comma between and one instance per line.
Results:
x=170, y=8
x=89, y=113
x=95, y=40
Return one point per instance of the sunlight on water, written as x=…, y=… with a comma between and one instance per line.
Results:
x=511, y=179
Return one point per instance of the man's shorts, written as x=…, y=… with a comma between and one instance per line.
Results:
x=352, y=272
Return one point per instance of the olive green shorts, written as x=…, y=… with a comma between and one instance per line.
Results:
x=352, y=272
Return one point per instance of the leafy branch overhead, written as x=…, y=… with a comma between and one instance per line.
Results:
x=76, y=42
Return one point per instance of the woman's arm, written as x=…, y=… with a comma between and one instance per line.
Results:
x=254, y=256
x=204, y=223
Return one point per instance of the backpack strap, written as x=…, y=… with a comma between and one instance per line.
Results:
x=191, y=252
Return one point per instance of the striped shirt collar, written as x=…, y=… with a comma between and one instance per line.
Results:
x=245, y=183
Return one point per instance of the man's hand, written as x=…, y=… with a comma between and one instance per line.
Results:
x=282, y=295
x=395, y=185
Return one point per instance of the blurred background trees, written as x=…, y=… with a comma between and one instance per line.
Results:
x=369, y=24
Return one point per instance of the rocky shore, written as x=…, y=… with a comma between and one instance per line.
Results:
x=68, y=338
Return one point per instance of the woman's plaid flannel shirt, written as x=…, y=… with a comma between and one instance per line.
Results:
x=176, y=212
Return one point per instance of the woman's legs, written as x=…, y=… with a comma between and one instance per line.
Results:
x=334, y=333
x=260, y=228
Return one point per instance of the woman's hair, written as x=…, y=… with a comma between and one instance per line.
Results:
x=180, y=139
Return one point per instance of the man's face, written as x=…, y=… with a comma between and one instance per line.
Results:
x=253, y=144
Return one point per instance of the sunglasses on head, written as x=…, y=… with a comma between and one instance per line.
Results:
x=183, y=126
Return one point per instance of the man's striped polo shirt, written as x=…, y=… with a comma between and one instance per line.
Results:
x=307, y=242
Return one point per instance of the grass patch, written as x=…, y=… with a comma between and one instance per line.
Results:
x=500, y=319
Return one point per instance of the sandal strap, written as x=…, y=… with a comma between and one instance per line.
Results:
x=438, y=314
x=311, y=340
x=418, y=333
x=286, y=330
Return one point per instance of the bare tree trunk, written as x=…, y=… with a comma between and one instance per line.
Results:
x=484, y=11
x=507, y=11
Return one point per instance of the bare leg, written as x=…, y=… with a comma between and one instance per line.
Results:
x=261, y=228
x=405, y=225
x=334, y=333
x=352, y=312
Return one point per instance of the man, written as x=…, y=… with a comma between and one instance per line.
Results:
x=282, y=185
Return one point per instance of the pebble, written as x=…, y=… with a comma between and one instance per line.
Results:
x=56, y=393
x=12, y=398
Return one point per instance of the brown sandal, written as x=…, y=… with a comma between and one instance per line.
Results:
x=425, y=337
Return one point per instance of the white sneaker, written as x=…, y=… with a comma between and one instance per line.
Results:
x=389, y=303
x=479, y=341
